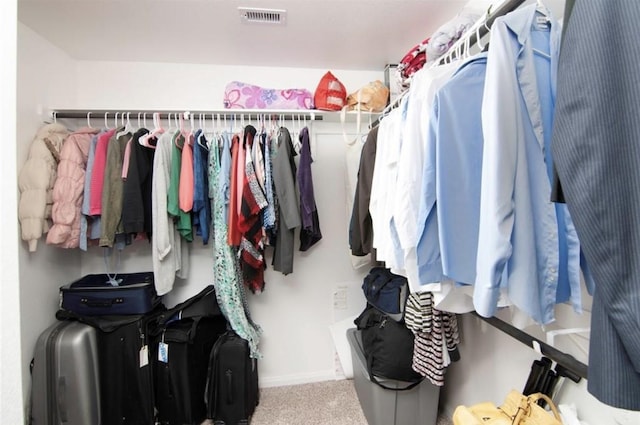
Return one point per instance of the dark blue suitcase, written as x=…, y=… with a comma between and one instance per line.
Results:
x=94, y=295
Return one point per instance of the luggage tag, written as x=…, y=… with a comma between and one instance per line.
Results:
x=144, y=356
x=163, y=351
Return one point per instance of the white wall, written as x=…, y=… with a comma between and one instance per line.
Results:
x=295, y=311
x=45, y=76
x=10, y=350
x=140, y=85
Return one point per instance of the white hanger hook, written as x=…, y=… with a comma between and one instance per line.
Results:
x=479, y=39
x=116, y=119
x=89, y=119
x=106, y=125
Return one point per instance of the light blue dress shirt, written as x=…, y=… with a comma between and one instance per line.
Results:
x=451, y=176
x=522, y=233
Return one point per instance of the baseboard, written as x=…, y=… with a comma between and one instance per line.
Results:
x=303, y=378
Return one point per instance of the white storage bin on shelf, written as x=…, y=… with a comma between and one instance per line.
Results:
x=418, y=405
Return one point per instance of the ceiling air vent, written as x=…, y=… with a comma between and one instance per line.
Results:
x=262, y=16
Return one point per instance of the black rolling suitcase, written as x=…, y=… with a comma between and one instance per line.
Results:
x=182, y=348
x=65, y=385
x=126, y=367
x=232, y=387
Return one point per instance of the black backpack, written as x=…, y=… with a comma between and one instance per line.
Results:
x=388, y=348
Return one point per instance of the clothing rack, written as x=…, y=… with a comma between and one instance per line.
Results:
x=219, y=114
x=565, y=360
x=469, y=38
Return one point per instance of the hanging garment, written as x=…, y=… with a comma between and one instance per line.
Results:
x=310, y=232
x=201, y=203
x=234, y=236
x=173, y=198
x=595, y=148
x=408, y=191
x=169, y=251
x=250, y=223
x=69, y=188
x=136, y=201
x=229, y=291
x=360, y=227
x=36, y=180
x=269, y=213
x=111, y=213
x=521, y=232
x=186, y=184
x=354, y=147
x=86, y=220
x=257, y=156
x=385, y=236
x=451, y=178
x=97, y=176
x=436, y=337
x=224, y=177
x=284, y=171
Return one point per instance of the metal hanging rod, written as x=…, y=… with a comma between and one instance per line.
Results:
x=565, y=360
x=228, y=114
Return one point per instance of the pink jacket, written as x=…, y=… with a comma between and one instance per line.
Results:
x=97, y=175
x=69, y=189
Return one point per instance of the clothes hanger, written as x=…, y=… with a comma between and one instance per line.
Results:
x=106, y=125
x=128, y=128
x=543, y=9
x=89, y=119
x=157, y=130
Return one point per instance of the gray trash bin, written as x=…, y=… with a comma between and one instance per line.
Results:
x=417, y=406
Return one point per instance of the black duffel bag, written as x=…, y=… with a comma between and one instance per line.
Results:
x=388, y=348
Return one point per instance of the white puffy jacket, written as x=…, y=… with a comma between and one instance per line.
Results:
x=36, y=180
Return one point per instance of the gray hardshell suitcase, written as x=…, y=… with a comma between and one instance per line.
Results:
x=65, y=377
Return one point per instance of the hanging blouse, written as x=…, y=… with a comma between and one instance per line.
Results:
x=201, y=204
x=250, y=224
x=185, y=190
x=436, y=337
x=234, y=236
x=136, y=203
x=269, y=213
x=228, y=288
x=310, y=233
x=170, y=252
x=284, y=171
x=173, y=206
x=112, y=191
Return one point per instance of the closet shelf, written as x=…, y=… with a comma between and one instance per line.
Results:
x=223, y=114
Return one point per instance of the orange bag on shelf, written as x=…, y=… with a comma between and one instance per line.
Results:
x=330, y=94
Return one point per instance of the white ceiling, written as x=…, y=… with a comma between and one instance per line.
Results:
x=329, y=34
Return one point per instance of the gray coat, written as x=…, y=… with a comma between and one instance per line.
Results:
x=596, y=147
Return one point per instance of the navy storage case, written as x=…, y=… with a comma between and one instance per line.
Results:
x=94, y=295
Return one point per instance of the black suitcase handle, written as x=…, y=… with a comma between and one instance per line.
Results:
x=101, y=302
x=229, y=377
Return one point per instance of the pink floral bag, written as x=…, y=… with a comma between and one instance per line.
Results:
x=239, y=95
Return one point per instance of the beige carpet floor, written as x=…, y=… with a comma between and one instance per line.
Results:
x=320, y=403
